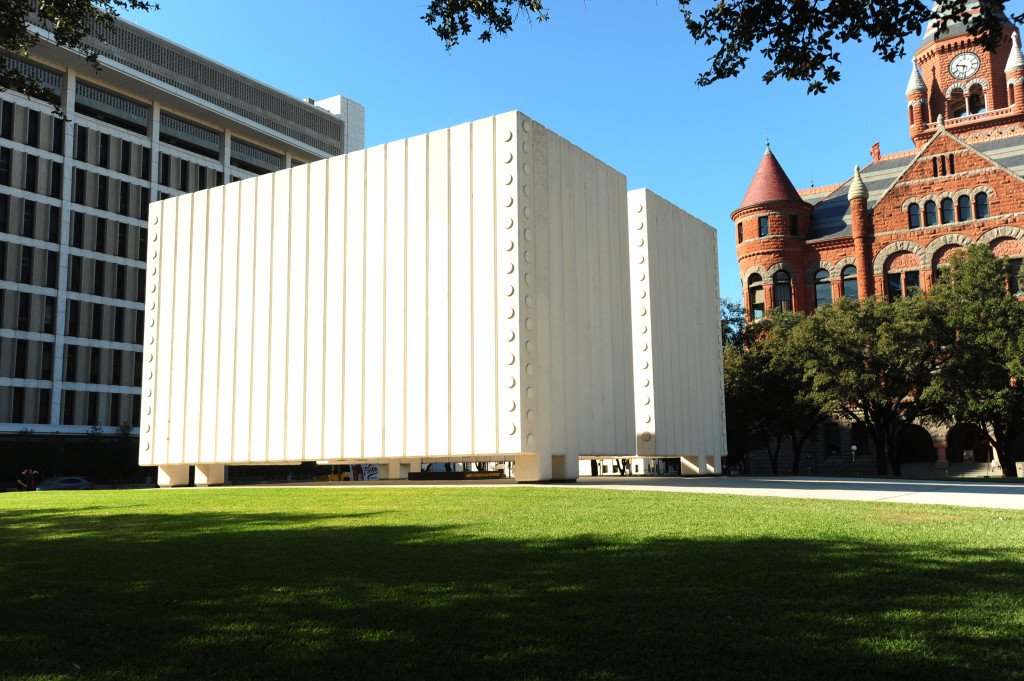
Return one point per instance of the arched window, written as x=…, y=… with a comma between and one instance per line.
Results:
x=930, y=216
x=902, y=284
x=980, y=206
x=822, y=288
x=849, y=278
x=976, y=100
x=782, y=291
x=914, y=216
x=947, y=211
x=963, y=208
x=957, y=104
x=755, y=296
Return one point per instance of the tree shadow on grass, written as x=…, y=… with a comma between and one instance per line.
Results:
x=290, y=595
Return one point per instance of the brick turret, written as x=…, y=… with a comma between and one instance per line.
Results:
x=771, y=225
x=917, y=106
x=860, y=218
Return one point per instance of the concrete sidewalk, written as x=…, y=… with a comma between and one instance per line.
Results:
x=953, y=493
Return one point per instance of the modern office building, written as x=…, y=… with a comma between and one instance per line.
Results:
x=155, y=121
x=485, y=293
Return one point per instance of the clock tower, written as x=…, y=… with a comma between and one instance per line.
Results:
x=957, y=79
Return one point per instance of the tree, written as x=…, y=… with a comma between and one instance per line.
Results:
x=870, y=360
x=801, y=40
x=981, y=380
x=733, y=322
x=74, y=24
x=767, y=400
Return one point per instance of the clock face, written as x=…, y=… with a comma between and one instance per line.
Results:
x=964, y=65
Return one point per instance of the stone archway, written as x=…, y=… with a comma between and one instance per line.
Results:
x=966, y=443
x=914, y=445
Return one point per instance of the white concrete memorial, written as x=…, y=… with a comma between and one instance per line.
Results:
x=462, y=295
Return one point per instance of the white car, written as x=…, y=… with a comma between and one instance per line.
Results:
x=66, y=482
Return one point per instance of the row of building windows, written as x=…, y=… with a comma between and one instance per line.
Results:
x=28, y=218
x=78, y=408
x=21, y=358
x=762, y=227
x=93, y=233
x=104, y=322
x=31, y=173
x=21, y=311
x=34, y=128
x=107, y=279
x=110, y=194
x=897, y=285
x=102, y=366
x=947, y=212
x=28, y=265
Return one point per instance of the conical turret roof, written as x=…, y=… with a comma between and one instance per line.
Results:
x=770, y=183
x=1016, y=59
x=916, y=83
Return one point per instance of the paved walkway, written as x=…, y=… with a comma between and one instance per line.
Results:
x=949, y=492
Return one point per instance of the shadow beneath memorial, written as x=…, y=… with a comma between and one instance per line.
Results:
x=292, y=595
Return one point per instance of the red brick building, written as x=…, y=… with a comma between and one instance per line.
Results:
x=888, y=228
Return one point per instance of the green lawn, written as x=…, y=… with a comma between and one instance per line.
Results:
x=504, y=582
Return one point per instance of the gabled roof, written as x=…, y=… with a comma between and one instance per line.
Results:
x=958, y=28
x=770, y=183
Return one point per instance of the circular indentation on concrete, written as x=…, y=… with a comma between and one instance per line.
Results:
x=640, y=224
x=646, y=437
x=527, y=256
x=510, y=312
x=509, y=245
x=510, y=268
x=510, y=223
x=643, y=328
x=531, y=392
x=147, y=446
x=156, y=219
x=511, y=430
x=152, y=340
x=509, y=179
x=531, y=439
x=152, y=305
x=528, y=234
x=646, y=383
x=526, y=190
x=645, y=364
x=526, y=147
x=648, y=418
x=640, y=243
x=529, y=323
x=509, y=200
x=647, y=400
x=643, y=311
x=149, y=392
x=531, y=415
x=149, y=357
x=638, y=208
x=511, y=405
x=507, y=136
x=510, y=360
x=642, y=276
x=510, y=291
x=526, y=169
x=530, y=347
x=528, y=278
x=529, y=301
x=527, y=213
x=152, y=323
x=147, y=428
x=530, y=369
x=644, y=347
x=152, y=289
x=152, y=271
x=511, y=382
x=643, y=295
x=527, y=125
x=641, y=260
x=149, y=410
x=511, y=336
x=507, y=158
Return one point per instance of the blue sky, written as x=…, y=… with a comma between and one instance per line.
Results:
x=614, y=76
